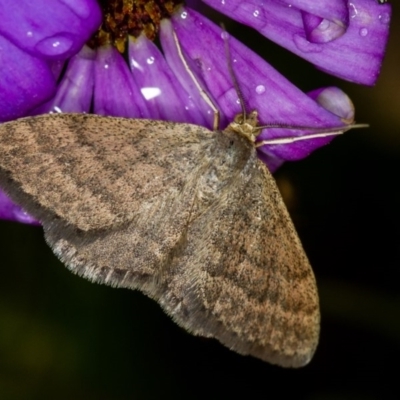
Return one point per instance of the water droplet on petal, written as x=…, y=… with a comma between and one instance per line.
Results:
x=256, y=13
x=324, y=25
x=136, y=65
x=183, y=14
x=29, y=33
x=55, y=45
x=352, y=10
x=150, y=60
x=363, y=32
x=384, y=18
x=22, y=216
x=56, y=109
x=225, y=35
x=260, y=89
x=304, y=45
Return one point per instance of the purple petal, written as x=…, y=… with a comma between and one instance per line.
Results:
x=321, y=30
x=56, y=29
x=75, y=91
x=115, y=91
x=25, y=81
x=37, y=37
x=206, y=117
x=165, y=97
x=336, y=101
x=356, y=55
x=263, y=88
x=333, y=10
x=12, y=212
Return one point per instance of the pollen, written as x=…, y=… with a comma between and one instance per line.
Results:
x=123, y=18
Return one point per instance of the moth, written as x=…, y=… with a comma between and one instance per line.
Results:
x=188, y=216
x=191, y=217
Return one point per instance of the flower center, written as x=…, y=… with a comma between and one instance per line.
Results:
x=131, y=17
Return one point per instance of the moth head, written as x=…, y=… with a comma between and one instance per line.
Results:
x=246, y=125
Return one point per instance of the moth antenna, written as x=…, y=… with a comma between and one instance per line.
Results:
x=310, y=128
x=225, y=36
x=199, y=87
x=320, y=133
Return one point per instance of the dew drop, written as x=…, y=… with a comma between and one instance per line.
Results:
x=22, y=216
x=304, y=45
x=324, y=25
x=224, y=35
x=353, y=10
x=260, y=89
x=56, y=109
x=29, y=33
x=55, y=45
x=184, y=14
x=384, y=18
x=363, y=32
x=135, y=64
x=150, y=60
x=256, y=13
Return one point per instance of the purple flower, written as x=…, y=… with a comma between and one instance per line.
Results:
x=344, y=38
x=36, y=38
x=47, y=67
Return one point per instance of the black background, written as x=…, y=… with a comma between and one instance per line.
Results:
x=63, y=337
